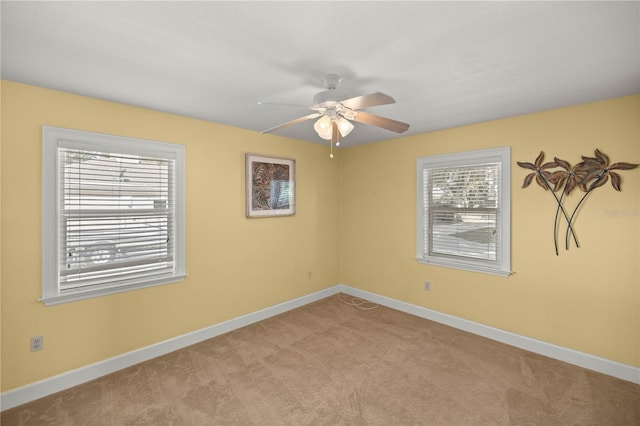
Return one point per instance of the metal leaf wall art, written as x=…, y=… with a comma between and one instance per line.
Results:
x=560, y=177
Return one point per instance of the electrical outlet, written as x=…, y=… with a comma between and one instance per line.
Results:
x=36, y=343
x=427, y=286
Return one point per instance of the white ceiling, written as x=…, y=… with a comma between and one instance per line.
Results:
x=446, y=63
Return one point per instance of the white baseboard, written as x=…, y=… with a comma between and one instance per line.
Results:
x=581, y=359
x=66, y=380
x=81, y=375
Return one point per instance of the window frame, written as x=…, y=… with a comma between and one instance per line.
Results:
x=54, y=138
x=502, y=155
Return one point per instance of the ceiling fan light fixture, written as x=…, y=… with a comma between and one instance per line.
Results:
x=323, y=125
x=345, y=126
x=326, y=135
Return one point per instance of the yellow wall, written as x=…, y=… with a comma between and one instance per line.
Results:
x=355, y=224
x=235, y=265
x=587, y=299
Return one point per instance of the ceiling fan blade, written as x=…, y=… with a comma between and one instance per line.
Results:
x=374, y=99
x=385, y=123
x=292, y=122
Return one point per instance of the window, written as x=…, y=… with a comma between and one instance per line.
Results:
x=112, y=214
x=463, y=211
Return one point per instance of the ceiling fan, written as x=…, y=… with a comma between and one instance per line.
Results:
x=335, y=110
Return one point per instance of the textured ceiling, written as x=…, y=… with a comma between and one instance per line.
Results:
x=446, y=63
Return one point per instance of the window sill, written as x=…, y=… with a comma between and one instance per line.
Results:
x=73, y=296
x=465, y=267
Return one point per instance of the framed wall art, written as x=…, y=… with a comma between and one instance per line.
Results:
x=270, y=186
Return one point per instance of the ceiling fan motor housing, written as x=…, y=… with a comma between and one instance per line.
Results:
x=330, y=98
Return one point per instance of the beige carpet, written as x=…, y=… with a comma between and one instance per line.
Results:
x=328, y=363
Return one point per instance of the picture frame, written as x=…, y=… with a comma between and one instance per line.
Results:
x=270, y=186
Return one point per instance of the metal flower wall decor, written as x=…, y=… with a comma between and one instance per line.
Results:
x=559, y=176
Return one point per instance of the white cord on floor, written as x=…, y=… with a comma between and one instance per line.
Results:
x=358, y=303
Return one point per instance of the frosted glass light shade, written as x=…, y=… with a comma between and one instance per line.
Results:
x=344, y=126
x=326, y=135
x=323, y=125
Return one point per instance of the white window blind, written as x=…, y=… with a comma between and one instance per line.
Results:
x=463, y=211
x=117, y=217
x=113, y=214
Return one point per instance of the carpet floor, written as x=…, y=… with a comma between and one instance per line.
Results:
x=329, y=363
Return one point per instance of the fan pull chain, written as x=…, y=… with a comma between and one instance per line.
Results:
x=334, y=136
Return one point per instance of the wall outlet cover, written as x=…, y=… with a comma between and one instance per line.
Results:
x=36, y=343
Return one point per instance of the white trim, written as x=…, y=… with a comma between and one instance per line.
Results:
x=460, y=265
x=500, y=155
x=81, y=375
x=581, y=359
x=66, y=380
x=89, y=293
x=54, y=138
